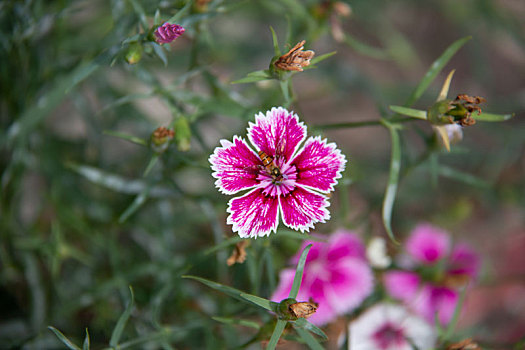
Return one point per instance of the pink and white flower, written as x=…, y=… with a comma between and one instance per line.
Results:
x=390, y=327
x=336, y=275
x=436, y=270
x=286, y=180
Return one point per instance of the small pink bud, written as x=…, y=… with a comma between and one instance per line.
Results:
x=167, y=32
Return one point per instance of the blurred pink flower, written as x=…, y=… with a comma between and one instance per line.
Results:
x=390, y=327
x=167, y=32
x=336, y=276
x=432, y=284
x=282, y=178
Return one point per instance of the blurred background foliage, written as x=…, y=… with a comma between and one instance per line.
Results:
x=87, y=211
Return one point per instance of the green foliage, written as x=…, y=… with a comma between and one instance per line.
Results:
x=89, y=208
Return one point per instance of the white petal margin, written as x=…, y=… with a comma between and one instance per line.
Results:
x=269, y=132
x=418, y=331
x=254, y=214
x=234, y=166
x=319, y=164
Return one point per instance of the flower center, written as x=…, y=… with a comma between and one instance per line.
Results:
x=277, y=180
x=389, y=336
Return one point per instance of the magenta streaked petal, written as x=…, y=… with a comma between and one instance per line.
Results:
x=464, y=261
x=316, y=291
x=254, y=214
x=434, y=300
x=235, y=166
x=314, y=253
x=345, y=244
x=351, y=281
x=428, y=244
x=301, y=209
x=319, y=164
x=402, y=285
x=279, y=132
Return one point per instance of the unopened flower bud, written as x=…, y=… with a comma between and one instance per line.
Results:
x=167, y=32
x=134, y=53
x=161, y=138
x=283, y=310
x=295, y=59
x=182, y=134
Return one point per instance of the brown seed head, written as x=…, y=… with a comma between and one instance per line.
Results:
x=295, y=59
x=303, y=309
x=162, y=132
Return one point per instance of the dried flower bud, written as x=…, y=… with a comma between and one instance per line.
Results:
x=303, y=309
x=160, y=138
x=295, y=59
x=167, y=32
x=466, y=344
x=239, y=253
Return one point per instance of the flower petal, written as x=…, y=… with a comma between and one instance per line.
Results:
x=279, y=132
x=428, y=244
x=345, y=244
x=235, y=166
x=351, y=281
x=301, y=209
x=464, y=261
x=402, y=285
x=434, y=300
x=254, y=214
x=285, y=285
x=319, y=164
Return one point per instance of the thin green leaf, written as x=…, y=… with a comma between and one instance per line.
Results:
x=237, y=322
x=164, y=334
x=118, y=183
x=224, y=244
x=139, y=10
x=127, y=137
x=254, y=77
x=299, y=273
x=434, y=70
x=303, y=323
x=469, y=179
x=124, y=100
x=285, y=89
x=393, y=180
x=318, y=59
x=156, y=18
x=119, y=328
x=151, y=164
x=365, y=49
x=277, y=331
x=264, y=303
x=139, y=200
x=309, y=339
x=457, y=310
x=182, y=12
x=159, y=51
x=490, y=117
x=87, y=342
x=298, y=235
x=411, y=112
x=276, y=49
x=63, y=338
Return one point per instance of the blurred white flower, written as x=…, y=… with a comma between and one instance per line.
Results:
x=454, y=132
x=376, y=253
x=390, y=327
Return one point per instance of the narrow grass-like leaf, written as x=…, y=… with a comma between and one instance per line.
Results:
x=411, y=112
x=319, y=59
x=63, y=338
x=139, y=200
x=154, y=159
x=264, y=303
x=434, y=70
x=364, y=49
x=303, y=323
x=139, y=10
x=455, y=317
x=277, y=331
x=393, y=180
x=159, y=51
x=237, y=322
x=490, y=117
x=127, y=137
x=182, y=12
x=87, y=342
x=446, y=86
x=298, y=278
x=165, y=334
x=119, y=328
x=469, y=179
x=224, y=244
x=276, y=49
x=309, y=339
x=123, y=100
x=254, y=77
